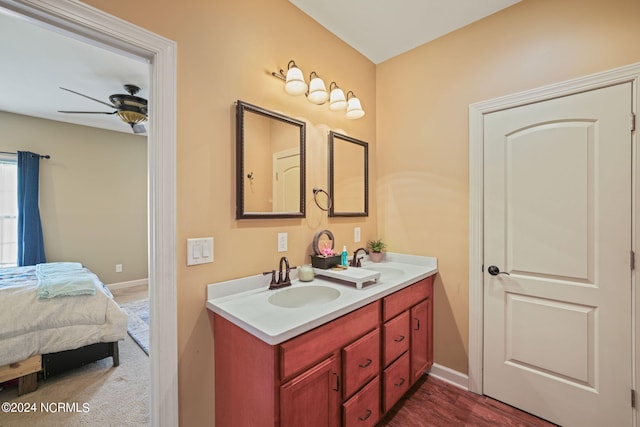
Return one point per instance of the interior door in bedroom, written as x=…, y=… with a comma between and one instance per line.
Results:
x=286, y=181
x=557, y=219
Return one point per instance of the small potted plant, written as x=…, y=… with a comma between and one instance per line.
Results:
x=375, y=249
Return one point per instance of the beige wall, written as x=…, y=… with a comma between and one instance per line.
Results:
x=226, y=51
x=93, y=193
x=424, y=145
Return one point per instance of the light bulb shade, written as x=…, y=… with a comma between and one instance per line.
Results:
x=295, y=84
x=337, y=100
x=354, y=108
x=317, y=91
x=132, y=117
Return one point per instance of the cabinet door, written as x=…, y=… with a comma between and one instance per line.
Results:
x=420, y=339
x=312, y=399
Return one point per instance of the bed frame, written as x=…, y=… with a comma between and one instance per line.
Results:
x=54, y=363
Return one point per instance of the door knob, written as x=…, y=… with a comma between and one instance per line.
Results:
x=494, y=271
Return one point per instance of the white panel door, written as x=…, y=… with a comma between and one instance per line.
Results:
x=286, y=181
x=557, y=202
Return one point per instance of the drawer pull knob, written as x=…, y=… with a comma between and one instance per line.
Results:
x=399, y=338
x=337, y=387
x=417, y=324
x=369, y=412
x=402, y=380
x=367, y=363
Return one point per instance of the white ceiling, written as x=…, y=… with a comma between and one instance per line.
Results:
x=36, y=60
x=382, y=29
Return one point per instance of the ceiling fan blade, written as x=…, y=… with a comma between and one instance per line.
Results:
x=88, y=97
x=139, y=128
x=86, y=112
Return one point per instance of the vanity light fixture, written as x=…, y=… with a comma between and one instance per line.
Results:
x=337, y=100
x=317, y=91
x=294, y=80
x=354, y=108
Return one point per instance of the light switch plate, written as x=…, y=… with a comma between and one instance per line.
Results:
x=199, y=250
x=356, y=234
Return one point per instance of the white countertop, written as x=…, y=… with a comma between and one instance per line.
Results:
x=244, y=302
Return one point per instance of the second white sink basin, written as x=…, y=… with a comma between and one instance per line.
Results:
x=297, y=297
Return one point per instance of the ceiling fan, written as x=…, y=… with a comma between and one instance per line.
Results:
x=130, y=108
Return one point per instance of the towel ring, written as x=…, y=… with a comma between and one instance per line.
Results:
x=317, y=190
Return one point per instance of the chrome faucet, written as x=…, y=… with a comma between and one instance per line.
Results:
x=355, y=261
x=282, y=281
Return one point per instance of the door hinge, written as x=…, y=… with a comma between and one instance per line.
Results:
x=633, y=398
x=632, y=260
x=633, y=122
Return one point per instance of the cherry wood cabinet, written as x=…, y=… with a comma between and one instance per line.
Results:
x=346, y=372
x=396, y=381
x=361, y=362
x=421, y=339
x=407, y=331
x=363, y=409
x=396, y=337
x=312, y=398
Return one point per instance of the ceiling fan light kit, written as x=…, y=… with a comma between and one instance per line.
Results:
x=316, y=91
x=130, y=108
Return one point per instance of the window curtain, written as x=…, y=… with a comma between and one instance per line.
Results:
x=30, y=241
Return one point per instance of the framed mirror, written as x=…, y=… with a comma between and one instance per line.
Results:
x=348, y=176
x=270, y=164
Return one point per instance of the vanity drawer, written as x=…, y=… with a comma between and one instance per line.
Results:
x=395, y=381
x=395, y=333
x=363, y=409
x=361, y=362
x=404, y=299
x=308, y=349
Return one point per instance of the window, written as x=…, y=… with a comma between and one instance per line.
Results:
x=8, y=210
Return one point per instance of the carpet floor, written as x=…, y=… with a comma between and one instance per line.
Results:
x=97, y=394
x=138, y=327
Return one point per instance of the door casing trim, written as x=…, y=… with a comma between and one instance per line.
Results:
x=97, y=27
x=630, y=73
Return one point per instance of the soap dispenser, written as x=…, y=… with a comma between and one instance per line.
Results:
x=345, y=255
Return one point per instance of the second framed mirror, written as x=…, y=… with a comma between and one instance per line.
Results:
x=348, y=175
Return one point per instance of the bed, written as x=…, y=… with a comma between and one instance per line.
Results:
x=50, y=329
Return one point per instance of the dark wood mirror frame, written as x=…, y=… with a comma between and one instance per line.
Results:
x=335, y=209
x=241, y=213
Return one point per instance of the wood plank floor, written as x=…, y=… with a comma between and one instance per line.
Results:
x=433, y=402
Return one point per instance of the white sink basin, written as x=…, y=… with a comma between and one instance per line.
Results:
x=296, y=297
x=386, y=273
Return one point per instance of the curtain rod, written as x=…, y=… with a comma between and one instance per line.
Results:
x=46, y=156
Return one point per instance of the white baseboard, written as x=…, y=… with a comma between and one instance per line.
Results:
x=450, y=376
x=129, y=284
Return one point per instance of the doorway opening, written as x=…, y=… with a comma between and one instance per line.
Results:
x=95, y=27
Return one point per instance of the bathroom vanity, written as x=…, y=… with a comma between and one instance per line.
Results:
x=321, y=360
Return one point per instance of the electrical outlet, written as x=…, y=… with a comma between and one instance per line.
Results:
x=356, y=234
x=118, y=268
x=282, y=242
